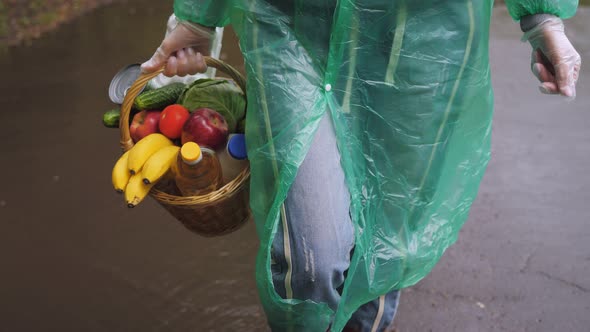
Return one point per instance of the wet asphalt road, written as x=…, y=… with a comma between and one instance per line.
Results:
x=75, y=259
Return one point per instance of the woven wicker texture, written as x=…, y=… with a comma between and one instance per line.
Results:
x=217, y=213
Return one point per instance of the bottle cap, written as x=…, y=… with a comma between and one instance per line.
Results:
x=236, y=147
x=191, y=153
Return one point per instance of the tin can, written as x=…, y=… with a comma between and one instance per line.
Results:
x=123, y=81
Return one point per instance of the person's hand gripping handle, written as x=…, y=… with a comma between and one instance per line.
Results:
x=182, y=51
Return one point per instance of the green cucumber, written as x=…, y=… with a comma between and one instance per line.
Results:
x=111, y=118
x=159, y=98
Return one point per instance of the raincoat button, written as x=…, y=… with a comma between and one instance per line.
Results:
x=328, y=87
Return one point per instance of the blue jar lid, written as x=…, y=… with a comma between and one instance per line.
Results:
x=236, y=146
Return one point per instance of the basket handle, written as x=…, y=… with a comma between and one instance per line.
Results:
x=142, y=80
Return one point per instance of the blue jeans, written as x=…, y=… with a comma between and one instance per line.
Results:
x=311, y=253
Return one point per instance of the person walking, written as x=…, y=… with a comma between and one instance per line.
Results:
x=368, y=132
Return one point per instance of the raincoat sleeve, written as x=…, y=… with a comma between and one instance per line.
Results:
x=211, y=13
x=560, y=8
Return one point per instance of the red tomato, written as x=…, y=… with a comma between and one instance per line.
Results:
x=172, y=119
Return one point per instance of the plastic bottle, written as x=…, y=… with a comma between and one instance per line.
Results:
x=168, y=185
x=197, y=170
x=233, y=157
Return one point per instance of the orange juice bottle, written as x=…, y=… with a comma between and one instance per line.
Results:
x=197, y=170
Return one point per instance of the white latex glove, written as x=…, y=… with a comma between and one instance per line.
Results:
x=182, y=51
x=554, y=61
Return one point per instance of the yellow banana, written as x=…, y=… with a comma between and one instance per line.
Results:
x=120, y=175
x=159, y=164
x=144, y=149
x=136, y=190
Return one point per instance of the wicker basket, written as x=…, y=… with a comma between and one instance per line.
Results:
x=217, y=213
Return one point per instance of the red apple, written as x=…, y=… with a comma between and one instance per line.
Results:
x=144, y=123
x=205, y=127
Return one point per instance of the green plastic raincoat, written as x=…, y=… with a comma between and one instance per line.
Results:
x=408, y=86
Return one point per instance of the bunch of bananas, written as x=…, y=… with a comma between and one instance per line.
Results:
x=140, y=168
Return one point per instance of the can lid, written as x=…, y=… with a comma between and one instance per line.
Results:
x=191, y=153
x=236, y=146
x=122, y=82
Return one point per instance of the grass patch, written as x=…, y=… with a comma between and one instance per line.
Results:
x=25, y=20
x=3, y=21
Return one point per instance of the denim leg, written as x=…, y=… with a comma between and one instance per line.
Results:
x=311, y=263
x=311, y=252
x=375, y=316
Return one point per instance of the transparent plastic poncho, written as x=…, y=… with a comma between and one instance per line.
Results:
x=408, y=86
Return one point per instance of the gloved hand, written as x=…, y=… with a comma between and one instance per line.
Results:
x=182, y=51
x=554, y=61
